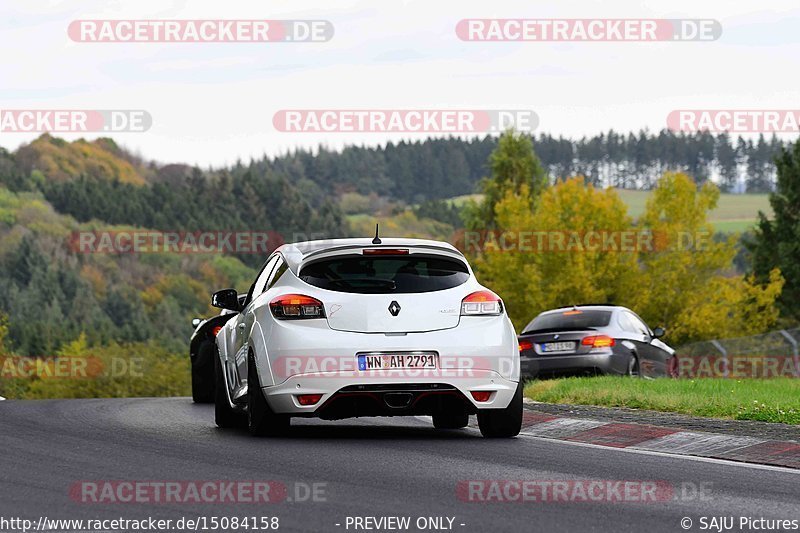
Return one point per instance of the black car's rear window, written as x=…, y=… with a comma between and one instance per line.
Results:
x=385, y=275
x=570, y=319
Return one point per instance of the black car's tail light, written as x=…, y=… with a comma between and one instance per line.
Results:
x=598, y=341
x=296, y=307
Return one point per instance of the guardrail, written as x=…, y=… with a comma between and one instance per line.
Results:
x=769, y=355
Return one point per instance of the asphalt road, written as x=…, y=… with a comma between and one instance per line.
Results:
x=363, y=468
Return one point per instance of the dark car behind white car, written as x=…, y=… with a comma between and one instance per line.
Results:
x=593, y=339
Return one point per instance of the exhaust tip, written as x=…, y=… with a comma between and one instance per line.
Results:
x=398, y=400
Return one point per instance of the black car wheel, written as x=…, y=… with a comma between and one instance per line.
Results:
x=203, y=376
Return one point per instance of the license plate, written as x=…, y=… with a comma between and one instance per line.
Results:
x=558, y=346
x=390, y=361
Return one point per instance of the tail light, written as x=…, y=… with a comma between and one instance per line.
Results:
x=598, y=341
x=308, y=399
x=215, y=330
x=481, y=303
x=525, y=345
x=481, y=396
x=296, y=307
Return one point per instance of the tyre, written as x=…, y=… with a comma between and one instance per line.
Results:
x=203, y=375
x=261, y=421
x=451, y=421
x=633, y=367
x=224, y=415
x=502, y=423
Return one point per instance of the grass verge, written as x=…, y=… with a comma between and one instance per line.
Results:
x=768, y=400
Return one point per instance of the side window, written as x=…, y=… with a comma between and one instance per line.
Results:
x=638, y=324
x=625, y=323
x=277, y=273
x=261, y=282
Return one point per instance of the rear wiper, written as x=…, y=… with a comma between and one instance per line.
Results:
x=381, y=282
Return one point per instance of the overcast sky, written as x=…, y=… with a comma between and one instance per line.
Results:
x=212, y=103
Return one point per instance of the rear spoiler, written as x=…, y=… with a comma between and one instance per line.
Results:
x=415, y=248
x=356, y=249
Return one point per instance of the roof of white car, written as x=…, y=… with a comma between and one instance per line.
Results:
x=296, y=253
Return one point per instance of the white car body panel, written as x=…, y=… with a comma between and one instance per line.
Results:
x=318, y=356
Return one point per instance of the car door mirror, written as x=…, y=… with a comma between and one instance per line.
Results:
x=226, y=299
x=659, y=332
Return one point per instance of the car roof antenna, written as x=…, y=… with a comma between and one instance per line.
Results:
x=376, y=240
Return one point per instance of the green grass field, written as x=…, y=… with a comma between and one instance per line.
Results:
x=769, y=400
x=734, y=212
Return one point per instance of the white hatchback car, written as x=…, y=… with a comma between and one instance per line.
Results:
x=358, y=327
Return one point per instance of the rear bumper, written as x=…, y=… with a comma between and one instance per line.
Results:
x=480, y=354
x=391, y=393
x=604, y=363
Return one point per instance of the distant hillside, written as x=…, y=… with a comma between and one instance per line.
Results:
x=59, y=160
x=52, y=293
x=100, y=181
x=51, y=189
x=443, y=168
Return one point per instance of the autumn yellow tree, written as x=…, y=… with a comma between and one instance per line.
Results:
x=559, y=253
x=667, y=266
x=686, y=280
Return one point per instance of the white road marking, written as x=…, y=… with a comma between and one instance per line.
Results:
x=563, y=427
x=670, y=455
x=691, y=442
x=525, y=433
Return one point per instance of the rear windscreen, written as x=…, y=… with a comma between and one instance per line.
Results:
x=570, y=319
x=385, y=275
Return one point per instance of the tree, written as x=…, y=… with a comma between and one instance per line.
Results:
x=513, y=166
x=669, y=270
x=554, y=259
x=777, y=242
x=685, y=280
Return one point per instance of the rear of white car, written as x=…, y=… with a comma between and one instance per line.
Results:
x=350, y=328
